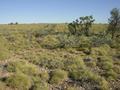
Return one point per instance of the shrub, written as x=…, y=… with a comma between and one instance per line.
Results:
x=87, y=76
x=41, y=33
x=82, y=24
x=100, y=40
x=19, y=81
x=91, y=64
x=4, y=52
x=84, y=42
x=58, y=76
x=44, y=76
x=49, y=60
x=102, y=50
x=22, y=66
x=72, y=63
x=50, y=42
x=103, y=84
x=110, y=74
x=116, y=69
x=68, y=41
x=40, y=86
x=105, y=63
x=51, y=63
x=81, y=74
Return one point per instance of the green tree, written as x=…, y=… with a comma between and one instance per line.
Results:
x=114, y=23
x=86, y=24
x=73, y=27
x=81, y=25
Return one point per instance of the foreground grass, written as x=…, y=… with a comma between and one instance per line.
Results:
x=43, y=57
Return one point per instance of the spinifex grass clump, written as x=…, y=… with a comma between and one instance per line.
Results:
x=58, y=76
x=19, y=81
x=4, y=49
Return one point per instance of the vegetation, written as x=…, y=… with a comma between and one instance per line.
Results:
x=58, y=76
x=81, y=25
x=76, y=56
x=114, y=23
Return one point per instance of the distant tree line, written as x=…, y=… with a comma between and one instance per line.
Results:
x=13, y=23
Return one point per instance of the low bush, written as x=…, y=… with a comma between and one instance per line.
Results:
x=74, y=62
x=19, y=81
x=48, y=60
x=22, y=66
x=110, y=74
x=40, y=86
x=100, y=39
x=102, y=50
x=41, y=33
x=49, y=42
x=58, y=76
x=105, y=63
x=116, y=69
x=44, y=76
x=68, y=41
x=39, y=83
x=85, y=42
x=4, y=50
x=81, y=74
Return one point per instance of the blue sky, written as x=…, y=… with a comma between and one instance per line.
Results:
x=54, y=11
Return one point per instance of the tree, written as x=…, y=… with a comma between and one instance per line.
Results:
x=86, y=23
x=73, y=27
x=16, y=23
x=81, y=25
x=114, y=23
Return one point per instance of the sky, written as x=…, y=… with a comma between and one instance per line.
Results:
x=55, y=11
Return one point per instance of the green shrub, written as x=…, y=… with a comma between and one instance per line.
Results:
x=68, y=41
x=44, y=76
x=39, y=83
x=51, y=63
x=58, y=76
x=22, y=66
x=49, y=60
x=40, y=86
x=4, y=52
x=81, y=74
x=74, y=63
x=103, y=84
x=105, y=63
x=85, y=42
x=94, y=79
x=41, y=33
x=19, y=81
x=102, y=50
x=100, y=40
x=50, y=42
x=110, y=74
x=91, y=64
x=116, y=69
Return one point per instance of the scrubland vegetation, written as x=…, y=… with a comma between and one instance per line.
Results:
x=78, y=56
